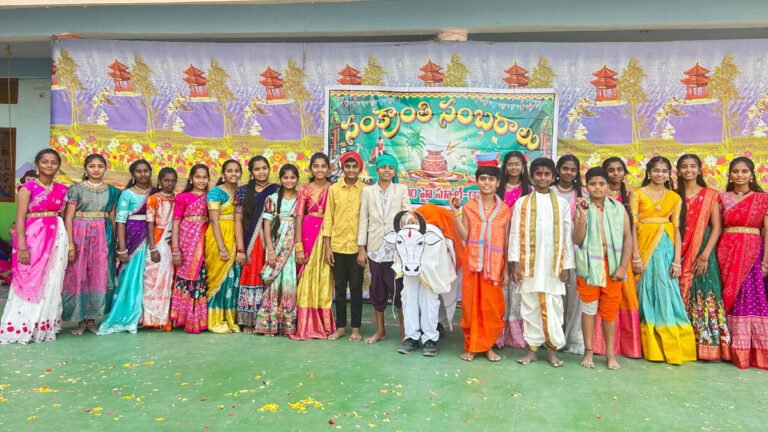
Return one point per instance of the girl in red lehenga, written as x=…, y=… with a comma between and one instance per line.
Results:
x=743, y=264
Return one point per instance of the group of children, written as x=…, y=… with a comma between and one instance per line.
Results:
x=543, y=259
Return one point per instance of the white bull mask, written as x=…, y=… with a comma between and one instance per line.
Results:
x=409, y=242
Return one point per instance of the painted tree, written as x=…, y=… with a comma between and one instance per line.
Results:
x=456, y=73
x=543, y=76
x=416, y=142
x=67, y=74
x=296, y=89
x=142, y=83
x=373, y=74
x=218, y=88
x=723, y=87
x=630, y=89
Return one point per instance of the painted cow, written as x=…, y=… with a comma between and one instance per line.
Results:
x=410, y=241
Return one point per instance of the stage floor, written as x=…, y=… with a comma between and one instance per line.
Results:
x=178, y=381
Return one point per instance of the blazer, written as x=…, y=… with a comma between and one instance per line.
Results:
x=373, y=224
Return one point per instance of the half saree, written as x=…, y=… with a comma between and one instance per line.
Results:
x=667, y=334
x=158, y=276
x=702, y=294
x=278, y=308
x=740, y=252
x=33, y=310
x=90, y=279
x=314, y=294
x=251, y=285
x=189, y=307
x=512, y=335
x=222, y=277
x=127, y=301
x=628, y=339
x=574, y=339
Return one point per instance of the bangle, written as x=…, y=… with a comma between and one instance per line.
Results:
x=152, y=249
x=676, y=265
x=240, y=250
x=177, y=253
x=71, y=247
x=122, y=252
x=22, y=249
x=299, y=247
x=637, y=261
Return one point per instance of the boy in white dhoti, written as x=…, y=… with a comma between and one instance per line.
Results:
x=541, y=253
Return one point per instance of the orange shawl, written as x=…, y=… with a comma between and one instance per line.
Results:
x=485, y=243
x=443, y=218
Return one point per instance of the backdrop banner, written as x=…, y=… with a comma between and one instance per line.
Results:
x=180, y=103
x=437, y=135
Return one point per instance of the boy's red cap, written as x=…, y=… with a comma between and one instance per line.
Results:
x=354, y=155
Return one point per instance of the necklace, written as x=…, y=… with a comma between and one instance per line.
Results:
x=514, y=186
x=260, y=186
x=46, y=187
x=563, y=189
x=487, y=207
x=143, y=191
x=167, y=195
x=94, y=185
x=742, y=193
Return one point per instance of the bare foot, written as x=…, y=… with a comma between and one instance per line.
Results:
x=612, y=363
x=269, y=334
x=248, y=330
x=586, y=361
x=467, y=356
x=92, y=327
x=529, y=357
x=337, y=334
x=492, y=356
x=355, y=336
x=378, y=336
x=553, y=360
x=79, y=330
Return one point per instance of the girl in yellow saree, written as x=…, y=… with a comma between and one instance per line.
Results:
x=666, y=332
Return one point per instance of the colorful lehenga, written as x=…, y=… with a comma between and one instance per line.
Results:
x=251, y=286
x=628, y=335
x=740, y=253
x=127, y=301
x=158, y=277
x=222, y=277
x=189, y=307
x=667, y=335
x=702, y=294
x=512, y=335
x=314, y=294
x=33, y=310
x=278, y=308
x=90, y=279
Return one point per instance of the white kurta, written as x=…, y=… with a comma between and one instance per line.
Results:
x=543, y=278
x=543, y=288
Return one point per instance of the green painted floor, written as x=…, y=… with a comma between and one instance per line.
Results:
x=177, y=381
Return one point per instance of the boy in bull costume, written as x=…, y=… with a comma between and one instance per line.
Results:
x=424, y=260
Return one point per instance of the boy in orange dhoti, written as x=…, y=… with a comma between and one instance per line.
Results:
x=484, y=225
x=603, y=242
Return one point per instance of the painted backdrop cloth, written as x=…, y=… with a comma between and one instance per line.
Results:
x=33, y=310
x=222, y=277
x=251, y=285
x=189, y=306
x=666, y=332
x=314, y=293
x=740, y=253
x=90, y=279
x=702, y=294
x=278, y=308
x=127, y=301
x=158, y=277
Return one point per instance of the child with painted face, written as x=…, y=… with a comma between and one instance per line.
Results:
x=603, y=240
x=541, y=253
x=340, y=234
x=380, y=203
x=483, y=223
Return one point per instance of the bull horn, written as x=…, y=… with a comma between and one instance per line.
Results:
x=398, y=217
x=422, y=223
